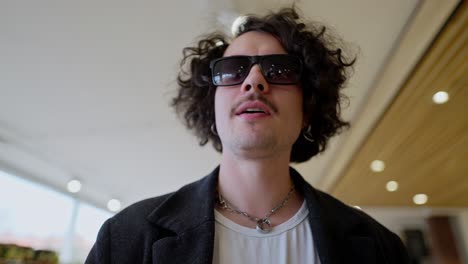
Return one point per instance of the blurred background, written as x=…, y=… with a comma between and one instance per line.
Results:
x=86, y=128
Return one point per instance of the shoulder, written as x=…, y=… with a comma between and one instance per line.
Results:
x=127, y=233
x=342, y=213
x=353, y=223
x=349, y=230
x=169, y=204
x=338, y=216
x=131, y=232
x=137, y=212
x=348, y=218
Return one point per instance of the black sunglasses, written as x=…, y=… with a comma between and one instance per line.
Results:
x=276, y=69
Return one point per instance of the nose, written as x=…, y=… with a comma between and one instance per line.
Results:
x=255, y=81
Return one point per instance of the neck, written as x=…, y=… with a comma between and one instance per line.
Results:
x=256, y=186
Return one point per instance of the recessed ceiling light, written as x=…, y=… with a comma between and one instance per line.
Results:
x=357, y=207
x=113, y=205
x=237, y=23
x=440, y=97
x=377, y=166
x=74, y=186
x=420, y=198
x=392, y=186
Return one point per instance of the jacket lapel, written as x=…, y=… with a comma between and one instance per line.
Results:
x=188, y=215
x=192, y=246
x=320, y=232
x=338, y=234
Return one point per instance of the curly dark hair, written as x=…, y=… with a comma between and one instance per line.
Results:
x=325, y=72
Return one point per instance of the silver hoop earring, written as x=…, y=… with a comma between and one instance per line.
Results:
x=213, y=130
x=308, y=135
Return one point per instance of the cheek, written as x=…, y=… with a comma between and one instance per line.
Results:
x=299, y=105
x=295, y=102
x=297, y=113
x=221, y=106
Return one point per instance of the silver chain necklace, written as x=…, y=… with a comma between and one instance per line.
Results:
x=264, y=223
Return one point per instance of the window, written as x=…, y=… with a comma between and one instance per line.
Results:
x=36, y=216
x=89, y=221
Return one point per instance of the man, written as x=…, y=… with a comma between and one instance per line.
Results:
x=269, y=97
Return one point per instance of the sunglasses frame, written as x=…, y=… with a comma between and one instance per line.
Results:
x=255, y=60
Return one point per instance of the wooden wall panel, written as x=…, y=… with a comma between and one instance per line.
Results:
x=424, y=145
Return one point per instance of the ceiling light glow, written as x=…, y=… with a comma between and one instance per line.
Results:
x=74, y=186
x=113, y=205
x=237, y=23
x=440, y=97
x=377, y=166
x=392, y=186
x=420, y=199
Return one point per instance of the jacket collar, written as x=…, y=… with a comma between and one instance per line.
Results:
x=188, y=207
x=189, y=216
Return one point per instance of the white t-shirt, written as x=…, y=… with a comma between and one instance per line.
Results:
x=289, y=242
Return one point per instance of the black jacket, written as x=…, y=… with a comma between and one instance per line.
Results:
x=179, y=228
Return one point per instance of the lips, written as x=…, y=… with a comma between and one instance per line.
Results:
x=252, y=107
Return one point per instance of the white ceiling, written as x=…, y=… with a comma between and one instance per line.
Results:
x=85, y=87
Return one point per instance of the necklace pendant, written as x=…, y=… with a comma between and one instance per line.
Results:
x=264, y=226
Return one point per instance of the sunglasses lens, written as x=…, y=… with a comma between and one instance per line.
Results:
x=281, y=69
x=230, y=71
x=277, y=69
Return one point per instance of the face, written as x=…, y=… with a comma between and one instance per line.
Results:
x=257, y=118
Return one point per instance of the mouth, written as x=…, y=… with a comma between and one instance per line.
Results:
x=252, y=111
x=253, y=108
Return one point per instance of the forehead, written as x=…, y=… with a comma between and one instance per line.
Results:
x=255, y=43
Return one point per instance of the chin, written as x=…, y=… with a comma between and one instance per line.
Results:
x=253, y=143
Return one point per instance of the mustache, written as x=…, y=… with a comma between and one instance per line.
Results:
x=254, y=97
